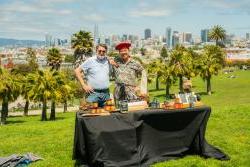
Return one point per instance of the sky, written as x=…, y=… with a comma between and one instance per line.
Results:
x=32, y=19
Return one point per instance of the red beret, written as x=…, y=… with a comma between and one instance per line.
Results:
x=123, y=45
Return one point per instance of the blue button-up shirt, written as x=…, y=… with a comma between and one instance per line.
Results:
x=97, y=72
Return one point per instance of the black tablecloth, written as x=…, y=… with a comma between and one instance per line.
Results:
x=142, y=138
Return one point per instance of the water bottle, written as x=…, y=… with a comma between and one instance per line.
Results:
x=192, y=100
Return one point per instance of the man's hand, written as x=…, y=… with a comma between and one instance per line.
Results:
x=80, y=76
x=88, y=89
x=139, y=93
x=112, y=62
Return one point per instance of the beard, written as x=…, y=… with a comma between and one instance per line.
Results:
x=101, y=57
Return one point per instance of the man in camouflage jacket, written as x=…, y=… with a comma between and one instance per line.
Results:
x=127, y=74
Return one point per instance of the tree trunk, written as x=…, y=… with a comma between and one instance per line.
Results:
x=4, y=112
x=65, y=106
x=209, y=89
x=157, y=82
x=53, y=110
x=217, y=42
x=44, y=111
x=181, y=84
x=168, y=88
x=26, y=108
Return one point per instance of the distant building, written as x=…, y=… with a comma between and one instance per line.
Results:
x=185, y=37
x=96, y=35
x=48, y=40
x=115, y=38
x=147, y=33
x=228, y=40
x=188, y=37
x=204, y=35
x=101, y=39
x=168, y=37
x=60, y=42
x=132, y=38
x=247, y=36
x=124, y=37
x=175, y=38
x=107, y=41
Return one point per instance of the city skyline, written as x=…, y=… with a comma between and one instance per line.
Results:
x=32, y=19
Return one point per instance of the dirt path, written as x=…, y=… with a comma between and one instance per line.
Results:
x=39, y=112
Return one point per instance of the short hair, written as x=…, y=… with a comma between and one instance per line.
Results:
x=101, y=45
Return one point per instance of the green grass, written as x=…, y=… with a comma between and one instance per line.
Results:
x=52, y=140
x=228, y=128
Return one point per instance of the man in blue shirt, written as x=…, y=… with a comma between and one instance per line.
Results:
x=95, y=70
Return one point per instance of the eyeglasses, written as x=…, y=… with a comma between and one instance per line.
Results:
x=102, y=51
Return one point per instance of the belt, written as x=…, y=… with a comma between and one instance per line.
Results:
x=123, y=84
x=101, y=90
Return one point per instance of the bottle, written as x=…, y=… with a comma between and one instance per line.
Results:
x=192, y=100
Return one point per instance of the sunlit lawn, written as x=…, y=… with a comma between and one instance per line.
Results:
x=228, y=128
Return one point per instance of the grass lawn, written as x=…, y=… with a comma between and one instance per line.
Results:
x=228, y=128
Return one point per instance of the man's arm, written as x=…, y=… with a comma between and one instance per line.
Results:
x=80, y=76
x=139, y=69
x=112, y=66
x=112, y=62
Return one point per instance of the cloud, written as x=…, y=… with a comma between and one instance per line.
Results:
x=32, y=18
x=243, y=28
x=158, y=8
x=227, y=7
x=40, y=7
x=93, y=17
x=151, y=13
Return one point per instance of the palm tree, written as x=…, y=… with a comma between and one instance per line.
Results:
x=164, y=53
x=54, y=58
x=195, y=57
x=31, y=58
x=210, y=62
x=44, y=86
x=163, y=71
x=9, y=91
x=143, y=51
x=217, y=33
x=66, y=94
x=113, y=54
x=23, y=70
x=168, y=78
x=24, y=91
x=181, y=62
x=68, y=88
x=155, y=70
x=82, y=42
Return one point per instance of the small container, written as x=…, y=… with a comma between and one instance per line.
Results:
x=109, y=102
x=93, y=111
x=177, y=100
x=178, y=105
x=95, y=105
x=99, y=110
x=167, y=105
x=123, y=105
x=106, y=108
x=112, y=108
x=155, y=103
